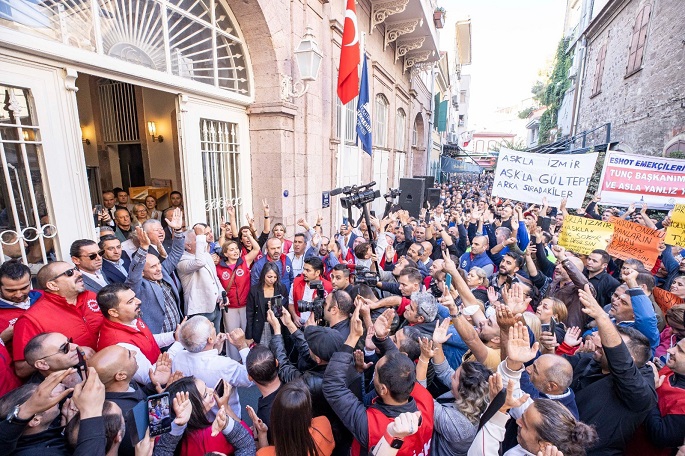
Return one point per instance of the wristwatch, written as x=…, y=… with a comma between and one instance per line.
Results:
x=13, y=417
x=394, y=442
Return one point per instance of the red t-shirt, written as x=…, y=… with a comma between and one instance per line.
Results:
x=112, y=333
x=52, y=313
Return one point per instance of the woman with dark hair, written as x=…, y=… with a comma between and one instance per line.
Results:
x=233, y=271
x=260, y=300
x=455, y=423
x=198, y=439
x=295, y=432
x=151, y=206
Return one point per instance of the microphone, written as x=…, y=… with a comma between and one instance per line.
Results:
x=336, y=191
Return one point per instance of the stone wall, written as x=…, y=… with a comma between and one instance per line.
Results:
x=647, y=108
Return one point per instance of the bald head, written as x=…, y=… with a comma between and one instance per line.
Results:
x=114, y=364
x=552, y=374
x=49, y=271
x=577, y=262
x=479, y=245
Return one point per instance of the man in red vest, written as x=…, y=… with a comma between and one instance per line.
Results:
x=300, y=291
x=66, y=307
x=124, y=326
x=398, y=392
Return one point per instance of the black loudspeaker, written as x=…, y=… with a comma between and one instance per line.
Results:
x=412, y=196
x=429, y=182
x=433, y=197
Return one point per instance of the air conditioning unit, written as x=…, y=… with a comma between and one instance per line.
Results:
x=455, y=101
x=453, y=138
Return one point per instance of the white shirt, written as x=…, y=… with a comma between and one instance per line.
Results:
x=119, y=265
x=98, y=277
x=209, y=367
x=298, y=263
x=307, y=295
x=142, y=375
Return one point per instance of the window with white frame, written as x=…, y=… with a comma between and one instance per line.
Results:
x=400, y=161
x=220, y=163
x=380, y=130
x=381, y=159
x=400, y=129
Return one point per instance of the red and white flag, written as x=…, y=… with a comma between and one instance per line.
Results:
x=348, y=74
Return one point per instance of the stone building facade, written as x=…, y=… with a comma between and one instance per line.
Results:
x=629, y=57
x=206, y=111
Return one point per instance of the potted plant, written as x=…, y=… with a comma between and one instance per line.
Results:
x=439, y=17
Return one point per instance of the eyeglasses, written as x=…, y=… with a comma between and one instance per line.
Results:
x=68, y=273
x=63, y=349
x=92, y=256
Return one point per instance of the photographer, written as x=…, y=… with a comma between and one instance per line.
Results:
x=337, y=311
x=301, y=291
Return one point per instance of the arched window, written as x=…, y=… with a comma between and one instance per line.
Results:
x=196, y=40
x=380, y=130
x=400, y=130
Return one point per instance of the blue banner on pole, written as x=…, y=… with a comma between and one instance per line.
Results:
x=363, y=115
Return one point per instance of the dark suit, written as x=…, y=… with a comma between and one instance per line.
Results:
x=91, y=284
x=257, y=308
x=111, y=273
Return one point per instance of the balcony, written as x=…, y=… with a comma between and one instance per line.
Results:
x=408, y=24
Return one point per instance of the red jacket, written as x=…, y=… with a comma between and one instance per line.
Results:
x=52, y=313
x=240, y=288
x=298, y=290
x=9, y=379
x=112, y=333
x=418, y=443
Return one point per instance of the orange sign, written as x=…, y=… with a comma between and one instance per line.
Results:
x=666, y=299
x=632, y=240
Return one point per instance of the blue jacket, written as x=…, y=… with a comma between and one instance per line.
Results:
x=329, y=261
x=34, y=295
x=112, y=273
x=645, y=318
x=569, y=400
x=150, y=293
x=482, y=260
x=287, y=276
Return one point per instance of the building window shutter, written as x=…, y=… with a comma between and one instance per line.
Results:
x=442, y=116
x=637, y=43
x=599, y=70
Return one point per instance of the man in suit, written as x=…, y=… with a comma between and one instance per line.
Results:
x=153, y=282
x=116, y=262
x=87, y=257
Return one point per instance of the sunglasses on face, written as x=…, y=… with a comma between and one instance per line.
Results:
x=68, y=273
x=63, y=349
x=92, y=256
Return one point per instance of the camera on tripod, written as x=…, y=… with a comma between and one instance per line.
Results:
x=392, y=193
x=357, y=196
x=362, y=275
x=316, y=304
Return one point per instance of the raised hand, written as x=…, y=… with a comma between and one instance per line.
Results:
x=42, y=399
x=518, y=345
x=405, y=424
x=511, y=402
x=440, y=334
x=162, y=371
x=515, y=298
x=427, y=348
x=89, y=396
x=506, y=318
x=273, y=321
x=258, y=425
x=573, y=336
x=182, y=408
x=383, y=323
x=492, y=295
x=143, y=238
x=265, y=207
x=587, y=347
x=590, y=305
x=220, y=422
x=176, y=222
x=359, y=363
x=222, y=401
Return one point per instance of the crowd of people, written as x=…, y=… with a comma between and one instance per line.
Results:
x=465, y=329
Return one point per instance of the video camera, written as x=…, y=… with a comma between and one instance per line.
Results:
x=315, y=305
x=362, y=275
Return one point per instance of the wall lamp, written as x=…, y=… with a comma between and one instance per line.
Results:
x=152, y=129
x=308, y=57
x=84, y=140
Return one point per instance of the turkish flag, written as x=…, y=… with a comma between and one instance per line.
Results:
x=348, y=74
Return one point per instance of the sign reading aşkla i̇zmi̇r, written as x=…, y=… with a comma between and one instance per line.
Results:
x=530, y=177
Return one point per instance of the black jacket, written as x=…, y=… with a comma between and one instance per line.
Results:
x=314, y=380
x=126, y=401
x=615, y=403
x=605, y=285
x=256, y=309
x=91, y=440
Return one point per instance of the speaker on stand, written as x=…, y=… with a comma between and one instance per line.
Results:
x=412, y=197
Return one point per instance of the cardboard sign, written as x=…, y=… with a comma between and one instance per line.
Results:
x=530, y=177
x=666, y=299
x=632, y=240
x=583, y=235
x=675, y=233
x=630, y=178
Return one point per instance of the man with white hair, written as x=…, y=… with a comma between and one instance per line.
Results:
x=201, y=357
x=201, y=286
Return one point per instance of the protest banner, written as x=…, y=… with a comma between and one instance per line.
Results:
x=632, y=240
x=531, y=177
x=665, y=299
x=675, y=233
x=629, y=178
x=583, y=235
